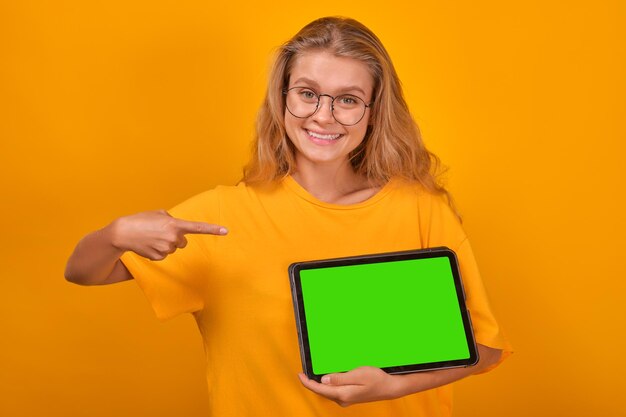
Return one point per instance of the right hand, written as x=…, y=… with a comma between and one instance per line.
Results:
x=156, y=234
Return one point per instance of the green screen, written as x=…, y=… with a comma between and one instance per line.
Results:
x=382, y=314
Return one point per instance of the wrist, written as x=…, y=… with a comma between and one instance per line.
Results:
x=415, y=382
x=113, y=234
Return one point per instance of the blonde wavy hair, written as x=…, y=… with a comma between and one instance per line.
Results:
x=392, y=146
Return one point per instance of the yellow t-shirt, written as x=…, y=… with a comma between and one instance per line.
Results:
x=237, y=287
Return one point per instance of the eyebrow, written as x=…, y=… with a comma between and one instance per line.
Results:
x=315, y=84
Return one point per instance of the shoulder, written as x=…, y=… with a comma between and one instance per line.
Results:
x=231, y=194
x=242, y=198
x=206, y=205
x=219, y=193
x=244, y=192
x=439, y=223
x=424, y=198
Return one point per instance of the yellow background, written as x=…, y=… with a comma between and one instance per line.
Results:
x=109, y=108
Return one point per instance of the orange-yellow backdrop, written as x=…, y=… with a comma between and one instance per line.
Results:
x=109, y=108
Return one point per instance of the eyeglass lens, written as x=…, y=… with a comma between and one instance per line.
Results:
x=303, y=102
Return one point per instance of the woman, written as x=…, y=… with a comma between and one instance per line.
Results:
x=338, y=169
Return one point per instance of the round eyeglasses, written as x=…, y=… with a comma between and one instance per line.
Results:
x=302, y=102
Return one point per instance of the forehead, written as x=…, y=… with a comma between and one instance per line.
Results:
x=330, y=73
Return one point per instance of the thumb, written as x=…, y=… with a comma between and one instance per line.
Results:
x=357, y=376
x=338, y=379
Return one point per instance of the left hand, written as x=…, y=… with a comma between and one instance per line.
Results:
x=357, y=386
x=373, y=384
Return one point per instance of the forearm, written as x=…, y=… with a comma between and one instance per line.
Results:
x=422, y=381
x=152, y=234
x=94, y=258
x=367, y=383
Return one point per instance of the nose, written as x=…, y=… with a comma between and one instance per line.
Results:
x=324, y=113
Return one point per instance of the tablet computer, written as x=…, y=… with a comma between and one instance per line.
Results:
x=401, y=311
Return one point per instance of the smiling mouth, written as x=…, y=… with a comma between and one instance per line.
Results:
x=323, y=136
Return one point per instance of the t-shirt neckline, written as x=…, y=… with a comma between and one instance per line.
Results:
x=291, y=184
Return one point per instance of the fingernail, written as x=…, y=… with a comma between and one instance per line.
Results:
x=326, y=379
x=223, y=231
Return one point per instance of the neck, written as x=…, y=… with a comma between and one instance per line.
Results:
x=331, y=183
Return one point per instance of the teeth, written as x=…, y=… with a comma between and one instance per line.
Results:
x=324, y=137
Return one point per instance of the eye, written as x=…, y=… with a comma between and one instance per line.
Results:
x=348, y=101
x=306, y=95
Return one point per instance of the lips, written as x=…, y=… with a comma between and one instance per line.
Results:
x=324, y=136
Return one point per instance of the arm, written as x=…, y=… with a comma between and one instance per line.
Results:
x=372, y=384
x=153, y=235
x=96, y=260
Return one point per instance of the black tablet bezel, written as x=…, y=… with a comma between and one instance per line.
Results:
x=296, y=290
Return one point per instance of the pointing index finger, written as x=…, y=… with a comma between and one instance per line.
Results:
x=200, y=227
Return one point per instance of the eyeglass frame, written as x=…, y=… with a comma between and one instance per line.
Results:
x=332, y=104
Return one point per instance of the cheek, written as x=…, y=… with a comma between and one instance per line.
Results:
x=291, y=127
x=288, y=124
x=359, y=133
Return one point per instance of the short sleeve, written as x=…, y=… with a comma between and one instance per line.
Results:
x=487, y=331
x=177, y=284
x=444, y=229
